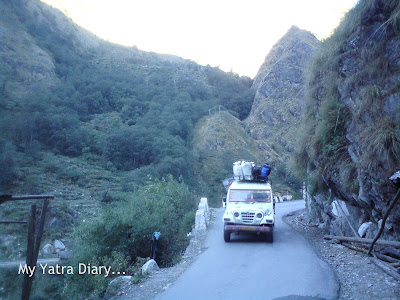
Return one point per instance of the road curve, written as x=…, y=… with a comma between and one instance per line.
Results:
x=250, y=268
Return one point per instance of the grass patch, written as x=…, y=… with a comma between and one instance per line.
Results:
x=381, y=142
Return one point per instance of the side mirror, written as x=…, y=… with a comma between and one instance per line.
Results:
x=224, y=202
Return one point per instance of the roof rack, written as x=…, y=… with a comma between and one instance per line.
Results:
x=250, y=179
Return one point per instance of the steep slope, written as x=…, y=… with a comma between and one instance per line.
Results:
x=25, y=67
x=279, y=87
x=223, y=132
x=61, y=86
x=219, y=140
x=352, y=132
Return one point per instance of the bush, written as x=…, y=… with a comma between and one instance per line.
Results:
x=332, y=128
x=381, y=143
x=126, y=227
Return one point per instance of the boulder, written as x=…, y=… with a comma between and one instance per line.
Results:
x=58, y=245
x=48, y=249
x=362, y=231
x=150, y=267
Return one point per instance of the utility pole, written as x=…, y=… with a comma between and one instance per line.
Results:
x=34, y=235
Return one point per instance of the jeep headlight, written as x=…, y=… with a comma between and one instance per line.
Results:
x=259, y=215
x=236, y=214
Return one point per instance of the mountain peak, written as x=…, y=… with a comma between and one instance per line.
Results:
x=295, y=41
x=279, y=87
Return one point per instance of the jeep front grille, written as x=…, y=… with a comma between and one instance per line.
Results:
x=248, y=217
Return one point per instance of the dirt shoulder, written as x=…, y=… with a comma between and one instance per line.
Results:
x=358, y=277
x=161, y=280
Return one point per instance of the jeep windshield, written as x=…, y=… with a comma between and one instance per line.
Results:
x=250, y=196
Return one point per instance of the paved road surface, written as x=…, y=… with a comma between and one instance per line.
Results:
x=250, y=268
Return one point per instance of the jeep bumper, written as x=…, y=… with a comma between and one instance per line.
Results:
x=248, y=228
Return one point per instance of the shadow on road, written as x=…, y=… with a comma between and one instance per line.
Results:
x=248, y=237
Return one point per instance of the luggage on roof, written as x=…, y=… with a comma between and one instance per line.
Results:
x=247, y=170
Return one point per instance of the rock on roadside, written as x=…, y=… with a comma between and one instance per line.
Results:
x=150, y=267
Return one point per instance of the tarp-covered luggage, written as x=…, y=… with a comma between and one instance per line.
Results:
x=242, y=170
x=237, y=170
x=247, y=168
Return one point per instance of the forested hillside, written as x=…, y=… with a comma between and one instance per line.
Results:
x=351, y=140
x=220, y=139
x=102, y=127
x=66, y=91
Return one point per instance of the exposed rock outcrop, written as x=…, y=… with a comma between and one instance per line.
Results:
x=59, y=246
x=48, y=249
x=352, y=120
x=270, y=130
x=280, y=89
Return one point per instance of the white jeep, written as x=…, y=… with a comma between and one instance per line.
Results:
x=249, y=207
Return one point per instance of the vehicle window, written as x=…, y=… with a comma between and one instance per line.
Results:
x=249, y=196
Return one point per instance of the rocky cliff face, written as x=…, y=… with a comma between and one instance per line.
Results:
x=352, y=129
x=280, y=90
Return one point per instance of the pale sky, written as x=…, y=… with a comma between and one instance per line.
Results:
x=232, y=34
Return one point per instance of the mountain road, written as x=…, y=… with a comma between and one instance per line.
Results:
x=250, y=268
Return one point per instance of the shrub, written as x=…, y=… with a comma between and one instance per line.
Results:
x=125, y=229
x=371, y=101
x=381, y=142
x=348, y=176
x=331, y=128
